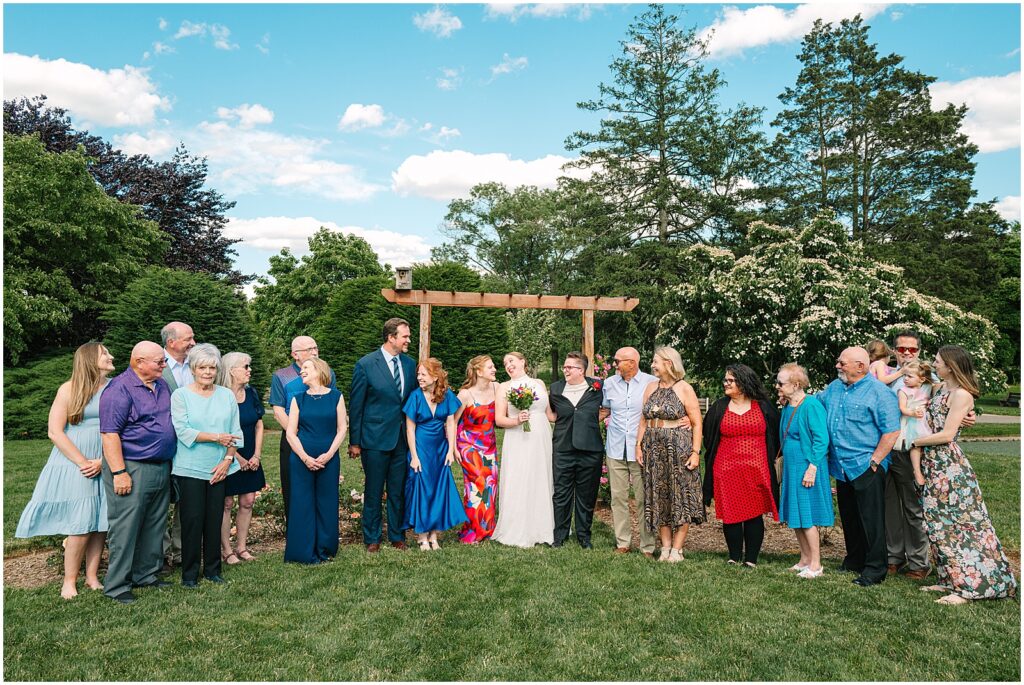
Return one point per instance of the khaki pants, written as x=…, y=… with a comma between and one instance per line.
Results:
x=620, y=474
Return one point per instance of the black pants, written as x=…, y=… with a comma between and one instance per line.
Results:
x=748, y=534
x=286, y=479
x=202, y=510
x=862, y=512
x=576, y=479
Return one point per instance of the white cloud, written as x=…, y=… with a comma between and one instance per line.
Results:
x=359, y=116
x=896, y=15
x=221, y=34
x=264, y=44
x=547, y=10
x=154, y=143
x=118, y=97
x=450, y=79
x=276, y=232
x=162, y=48
x=252, y=160
x=438, y=21
x=163, y=24
x=443, y=175
x=444, y=133
x=247, y=115
x=1009, y=207
x=993, y=118
x=739, y=29
x=508, y=65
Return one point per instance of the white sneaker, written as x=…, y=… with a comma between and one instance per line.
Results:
x=675, y=555
x=665, y=553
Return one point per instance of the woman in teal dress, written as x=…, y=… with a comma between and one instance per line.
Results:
x=805, y=500
x=68, y=498
x=969, y=561
x=432, y=504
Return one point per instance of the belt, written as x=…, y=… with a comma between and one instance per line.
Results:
x=664, y=423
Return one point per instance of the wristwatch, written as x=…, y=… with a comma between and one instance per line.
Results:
x=118, y=473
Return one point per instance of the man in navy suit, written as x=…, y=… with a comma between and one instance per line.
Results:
x=381, y=383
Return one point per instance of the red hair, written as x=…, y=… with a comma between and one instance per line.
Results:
x=440, y=376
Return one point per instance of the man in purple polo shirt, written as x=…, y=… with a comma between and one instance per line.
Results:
x=138, y=445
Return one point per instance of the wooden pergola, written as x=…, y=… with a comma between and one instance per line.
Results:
x=427, y=299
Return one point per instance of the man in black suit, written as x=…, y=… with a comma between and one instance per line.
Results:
x=381, y=383
x=574, y=404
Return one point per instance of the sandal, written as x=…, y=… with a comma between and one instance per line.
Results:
x=952, y=600
x=226, y=558
x=797, y=567
x=245, y=555
x=425, y=546
x=434, y=544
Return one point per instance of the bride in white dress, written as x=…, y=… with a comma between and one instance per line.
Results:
x=525, y=511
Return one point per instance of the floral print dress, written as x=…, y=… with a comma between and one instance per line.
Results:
x=478, y=455
x=969, y=559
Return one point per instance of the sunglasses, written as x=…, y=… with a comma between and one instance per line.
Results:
x=907, y=350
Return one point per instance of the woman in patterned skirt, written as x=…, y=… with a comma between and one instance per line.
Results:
x=741, y=439
x=669, y=454
x=970, y=563
x=478, y=449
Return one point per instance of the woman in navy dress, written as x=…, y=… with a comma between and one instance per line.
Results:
x=316, y=428
x=432, y=503
x=234, y=374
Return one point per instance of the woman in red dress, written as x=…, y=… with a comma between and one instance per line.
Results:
x=478, y=449
x=741, y=439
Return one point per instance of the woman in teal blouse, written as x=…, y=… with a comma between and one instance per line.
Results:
x=805, y=501
x=205, y=418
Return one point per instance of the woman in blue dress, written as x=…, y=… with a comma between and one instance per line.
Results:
x=432, y=503
x=316, y=427
x=234, y=374
x=68, y=498
x=805, y=501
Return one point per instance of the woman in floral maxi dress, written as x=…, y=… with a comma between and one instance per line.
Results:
x=970, y=562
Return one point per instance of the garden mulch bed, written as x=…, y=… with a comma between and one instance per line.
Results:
x=266, y=537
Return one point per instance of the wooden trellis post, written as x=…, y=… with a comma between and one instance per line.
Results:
x=426, y=299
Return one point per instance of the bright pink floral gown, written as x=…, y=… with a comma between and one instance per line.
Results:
x=478, y=453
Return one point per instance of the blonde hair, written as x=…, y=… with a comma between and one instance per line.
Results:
x=921, y=369
x=322, y=368
x=676, y=370
x=797, y=374
x=521, y=357
x=85, y=376
x=228, y=363
x=440, y=376
x=473, y=369
x=877, y=349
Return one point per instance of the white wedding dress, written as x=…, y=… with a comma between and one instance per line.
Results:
x=525, y=482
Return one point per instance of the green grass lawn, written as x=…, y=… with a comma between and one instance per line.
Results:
x=989, y=404
x=494, y=613
x=992, y=430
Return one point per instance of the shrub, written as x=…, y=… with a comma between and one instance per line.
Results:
x=29, y=391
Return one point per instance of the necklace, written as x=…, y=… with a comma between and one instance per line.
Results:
x=318, y=395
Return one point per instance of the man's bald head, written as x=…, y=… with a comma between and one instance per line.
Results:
x=147, y=360
x=853, y=364
x=627, y=362
x=303, y=348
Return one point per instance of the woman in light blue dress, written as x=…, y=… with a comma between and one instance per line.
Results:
x=805, y=500
x=432, y=503
x=68, y=498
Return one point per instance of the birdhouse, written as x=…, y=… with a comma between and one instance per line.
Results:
x=403, y=278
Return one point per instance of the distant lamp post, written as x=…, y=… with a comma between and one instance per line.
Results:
x=403, y=278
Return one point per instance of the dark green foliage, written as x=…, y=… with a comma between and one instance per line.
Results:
x=68, y=248
x=214, y=309
x=351, y=324
x=29, y=391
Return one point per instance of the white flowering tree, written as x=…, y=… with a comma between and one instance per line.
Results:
x=803, y=296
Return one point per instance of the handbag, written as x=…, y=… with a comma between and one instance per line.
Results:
x=778, y=457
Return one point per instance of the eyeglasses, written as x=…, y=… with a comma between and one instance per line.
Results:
x=570, y=368
x=907, y=350
x=246, y=366
x=314, y=348
x=728, y=381
x=159, y=362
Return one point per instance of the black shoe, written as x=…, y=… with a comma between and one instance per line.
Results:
x=215, y=579
x=158, y=584
x=585, y=544
x=843, y=568
x=191, y=584
x=864, y=581
x=165, y=570
x=556, y=545
x=125, y=597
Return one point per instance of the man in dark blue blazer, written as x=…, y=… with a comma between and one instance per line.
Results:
x=381, y=383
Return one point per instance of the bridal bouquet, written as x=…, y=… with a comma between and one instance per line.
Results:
x=522, y=398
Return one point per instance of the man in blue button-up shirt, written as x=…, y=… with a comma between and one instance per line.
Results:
x=863, y=424
x=624, y=397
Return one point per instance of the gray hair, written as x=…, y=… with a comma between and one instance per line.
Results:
x=169, y=332
x=229, y=362
x=203, y=354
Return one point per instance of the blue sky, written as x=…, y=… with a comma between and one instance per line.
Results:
x=370, y=118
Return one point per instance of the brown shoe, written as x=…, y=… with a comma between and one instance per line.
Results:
x=919, y=574
x=400, y=545
x=622, y=550
x=649, y=555
x=373, y=549
x=893, y=568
